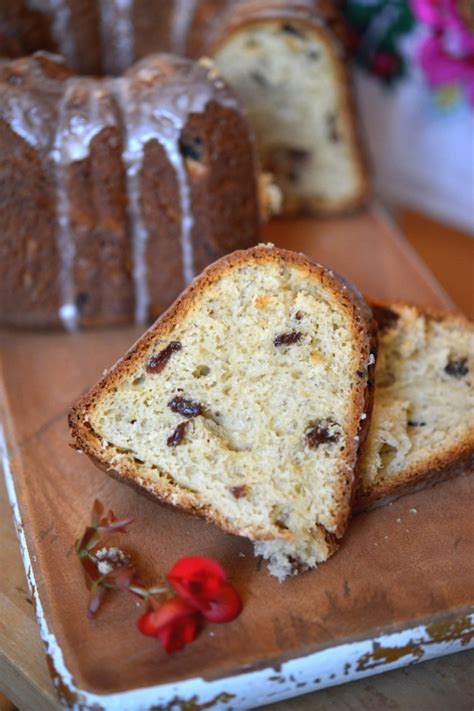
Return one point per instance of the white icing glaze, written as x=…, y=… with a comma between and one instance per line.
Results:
x=169, y=139
x=160, y=112
x=136, y=135
x=84, y=126
x=60, y=14
x=154, y=107
x=183, y=11
x=117, y=44
x=75, y=131
x=25, y=119
x=64, y=238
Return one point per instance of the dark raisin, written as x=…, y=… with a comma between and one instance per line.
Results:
x=158, y=362
x=313, y=54
x=187, y=408
x=81, y=299
x=258, y=78
x=291, y=29
x=298, y=315
x=386, y=318
x=320, y=434
x=361, y=373
x=239, y=492
x=191, y=148
x=178, y=435
x=333, y=131
x=457, y=367
x=297, y=155
x=287, y=339
x=415, y=423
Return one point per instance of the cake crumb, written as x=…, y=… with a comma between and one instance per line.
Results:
x=413, y=511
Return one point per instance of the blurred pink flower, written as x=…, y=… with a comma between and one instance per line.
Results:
x=446, y=55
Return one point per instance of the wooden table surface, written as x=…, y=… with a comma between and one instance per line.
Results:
x=442, y=684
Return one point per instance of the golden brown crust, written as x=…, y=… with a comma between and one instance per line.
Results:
x=364, y=334
x=434, y=313
x=456, y=460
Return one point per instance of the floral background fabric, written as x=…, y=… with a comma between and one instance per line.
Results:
x=415, y=89
x=444, y=48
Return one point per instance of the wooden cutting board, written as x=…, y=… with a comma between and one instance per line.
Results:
x=398, y=591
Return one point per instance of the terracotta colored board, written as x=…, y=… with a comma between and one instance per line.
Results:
x=399, y=565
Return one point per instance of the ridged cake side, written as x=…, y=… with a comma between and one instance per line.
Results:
x=115, y=193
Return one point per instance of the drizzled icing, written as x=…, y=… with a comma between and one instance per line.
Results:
x=182, y=13
x=158, y=110
x=75, y=131
x=60, y=14
x=25, y=119
x=155, y=103
x=64, y=238
x=134, y=141
x=117, y=31
x=146, y=120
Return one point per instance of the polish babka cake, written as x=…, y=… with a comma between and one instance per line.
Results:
x=116, y=192
x=284, y=58
x=246, y=403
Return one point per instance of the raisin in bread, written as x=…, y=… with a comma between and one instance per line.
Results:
x=422, y=427
x=245, y=403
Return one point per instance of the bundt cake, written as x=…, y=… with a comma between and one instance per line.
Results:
x=422, y=427
x=284, y=58
x=115, y=193
x=246, y=403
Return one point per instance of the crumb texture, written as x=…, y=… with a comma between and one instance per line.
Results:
x=424, y=401
x=278, y=69
x=245, y=420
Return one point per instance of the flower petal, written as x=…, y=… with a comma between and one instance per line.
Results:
x=196, y=579
x=171, y=611
x=225, y=606
x=177, y=634
x=175, y=624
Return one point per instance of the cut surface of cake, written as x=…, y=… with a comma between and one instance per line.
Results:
x=289, y=71
x=286, y=60
x=116, y=192
x=246, y=403
x=422, y=427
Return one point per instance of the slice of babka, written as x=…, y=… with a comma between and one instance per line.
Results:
x=246, y=403
x=286, y=61
x=422, y=427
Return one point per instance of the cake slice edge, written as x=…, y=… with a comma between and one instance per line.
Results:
x=325, y=542
x=455, y=460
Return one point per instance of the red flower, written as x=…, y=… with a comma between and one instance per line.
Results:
x=203, y=591
x=175, y=624
x=202, y=583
